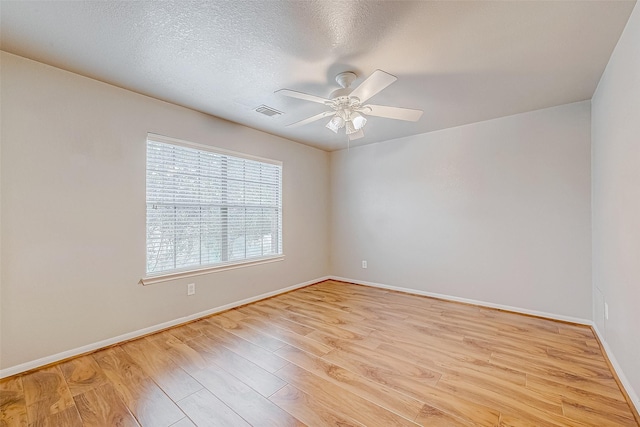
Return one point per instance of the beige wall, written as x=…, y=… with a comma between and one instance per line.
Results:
x=73, y=212
x=497, y=211
x=616, y=203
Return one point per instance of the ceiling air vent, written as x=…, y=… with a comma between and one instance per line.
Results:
x=268, y=111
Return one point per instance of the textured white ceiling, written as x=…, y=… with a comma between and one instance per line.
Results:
x=461, y=62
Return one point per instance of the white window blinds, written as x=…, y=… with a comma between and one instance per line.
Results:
x=207, y=207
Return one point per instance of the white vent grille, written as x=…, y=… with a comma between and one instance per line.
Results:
x=268, y=111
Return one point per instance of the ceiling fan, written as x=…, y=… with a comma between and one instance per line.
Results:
x=348, y=106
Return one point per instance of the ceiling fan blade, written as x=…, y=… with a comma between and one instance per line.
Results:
x=304, y=96
x=392, y=112
x=377, y=81
x=312, y=119
x=356, y=135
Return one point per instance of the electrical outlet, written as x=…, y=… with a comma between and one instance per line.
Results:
x=606, y=311
x=191, y=289
x=364, y=264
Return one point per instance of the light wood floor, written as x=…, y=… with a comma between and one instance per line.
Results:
x=334, y=354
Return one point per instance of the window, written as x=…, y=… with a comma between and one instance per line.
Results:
x=208, y=207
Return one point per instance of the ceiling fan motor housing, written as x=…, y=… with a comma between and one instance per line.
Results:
x=344, y=80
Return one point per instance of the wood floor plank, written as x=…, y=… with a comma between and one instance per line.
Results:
x=185, y=422
x=542, y=401
x=573, y=375
x=265, y=341
x=427, y=353
x=474, y=371
x=481, y=369
x=249, y=404
x=206, y=410
x=82, y=374
x=460, y=349
x=337, y=354
x=591, y=395
x=46, y=393
x=13, y=406
x=171, y=378
x=346, y=332
x=69, y=417
x=348, y=314
x=595, y=400
x=576, y=331
x=434, y=417
x=321, y=313
x=595, y=416
x=444, y=400
x=308, y=410
x=513, y=345
x=358, y=328
x=504, y=402
x=507, y=420
x=254, y=353
x=150, y=405
x=565, y=343
x=249, y=373
x=564, y=355
x=235, y=314
x=381, y=395
x=181, y=354
x=355, y=354
x=273, y=301
x=343, y=401
x=285, y=336
x=101, y=406
x=334, y=342
x=275, y=316
x=185, y=333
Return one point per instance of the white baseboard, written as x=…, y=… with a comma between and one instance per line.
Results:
x=635, y=399
x=34, y=364
x=552, y=316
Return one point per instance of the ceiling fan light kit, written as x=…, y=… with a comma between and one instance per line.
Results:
x=358, y=120
x=335, y=123
x=348, y=104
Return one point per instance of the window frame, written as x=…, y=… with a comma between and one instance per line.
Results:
x=197, y=270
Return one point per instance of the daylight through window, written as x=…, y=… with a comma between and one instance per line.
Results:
x=208, y=207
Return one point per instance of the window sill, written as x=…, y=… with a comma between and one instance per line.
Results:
x=164, y=277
